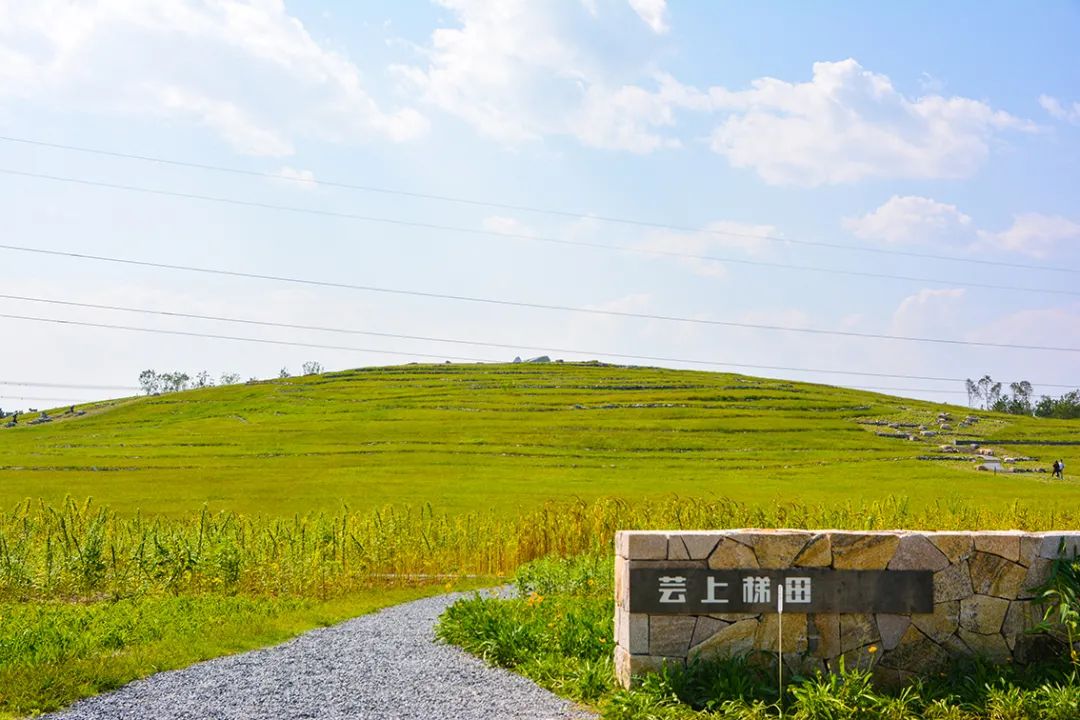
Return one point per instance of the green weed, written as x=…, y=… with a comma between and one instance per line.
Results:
x=557, y=631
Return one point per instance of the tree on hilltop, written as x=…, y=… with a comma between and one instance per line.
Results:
x=1020, y=399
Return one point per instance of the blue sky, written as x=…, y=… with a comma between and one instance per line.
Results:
x=946, y=130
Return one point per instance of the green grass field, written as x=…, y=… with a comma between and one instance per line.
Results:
x=232, y=517
x=508, y=437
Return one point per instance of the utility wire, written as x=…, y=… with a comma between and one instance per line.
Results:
x=337, y=347
x=536, y=238
x=897, y=389
x=543, y=306
x=45, y=399
x=523, y=208
x=65, y=386
x=505, y=346
x=264, y=341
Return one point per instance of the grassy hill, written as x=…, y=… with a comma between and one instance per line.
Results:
x=509, y=437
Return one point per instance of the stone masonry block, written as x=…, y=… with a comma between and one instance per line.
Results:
x=1007, y=545
x=955, y=546
x=632, y=631
x=991, y=647
x=1052, y=544
x=670, y=635
x=1037, y=574
x=646, y=546
x=791, y=633
x=857, y=630
x=735, y=639
x=1029, y=549
x=915, y=653
x=622, y=582
x=994, y=575
x=676, y=549
x=700, y=545
x=891, y=628
x=622, y=666
x=731, y=554
x=1019, y=618
x=817, y=553
x=983, y=614
x=941, y=623
x=952, y=583
x=825, y=627
x=857, y=551
x=706, y=628
x=916, y=552
x=778, y=550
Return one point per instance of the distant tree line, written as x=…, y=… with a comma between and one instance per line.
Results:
x=1020, y=400
x=153, y=382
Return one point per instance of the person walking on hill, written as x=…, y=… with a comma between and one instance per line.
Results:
x=1059, y=469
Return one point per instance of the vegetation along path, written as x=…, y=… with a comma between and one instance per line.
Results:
x=383, y=665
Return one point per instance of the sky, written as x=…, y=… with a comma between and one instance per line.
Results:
x=676, y=160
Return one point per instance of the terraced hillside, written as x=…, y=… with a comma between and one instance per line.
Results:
x=467, y=437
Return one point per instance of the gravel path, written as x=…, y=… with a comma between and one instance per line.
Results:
x=383, y=665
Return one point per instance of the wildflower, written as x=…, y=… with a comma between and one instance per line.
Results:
x=535, y=599
x=449, y=586
x=872, y=649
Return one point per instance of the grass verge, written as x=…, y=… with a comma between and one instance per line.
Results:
x=558, y=633
x=53, y=653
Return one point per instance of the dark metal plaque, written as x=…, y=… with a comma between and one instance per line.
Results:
x=696, y=591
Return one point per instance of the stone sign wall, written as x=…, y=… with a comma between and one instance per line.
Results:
x=670, y=608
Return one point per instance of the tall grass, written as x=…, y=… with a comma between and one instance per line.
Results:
x=79, y=551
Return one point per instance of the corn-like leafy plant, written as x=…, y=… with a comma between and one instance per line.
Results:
x=1061, y=597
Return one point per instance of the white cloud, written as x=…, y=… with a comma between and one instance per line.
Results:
x=192, y=60
x=506, y=225
x=717, y=236
x=1060, y=111
x=520, y=71
x=913, y=220
x=1034, y=234
x=1053, y=326
x=848, y=124
x=304, y=179
x=513, y=71
x=929, y=312
x=653, y=13
x=228, y=120
x=624, y=118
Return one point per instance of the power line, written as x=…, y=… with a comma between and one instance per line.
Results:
x=896, y=389
x=525, y=208
x=458, y=341
x=264, y=341
x=543, y=306
x=536, y=238
x=45, y=399
x=66, y=386
x=329, y=347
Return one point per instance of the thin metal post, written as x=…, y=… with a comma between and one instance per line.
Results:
x=780, y=646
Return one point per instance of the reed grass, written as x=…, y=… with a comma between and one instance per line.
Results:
x=77, y=551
